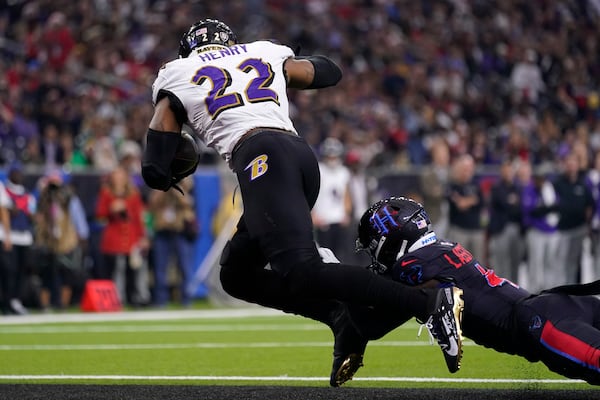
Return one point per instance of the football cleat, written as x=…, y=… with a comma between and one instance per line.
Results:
x=445, y=325
x=348, y=349
x=344, y=368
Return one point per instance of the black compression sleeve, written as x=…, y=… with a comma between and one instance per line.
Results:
x=327, y=73
x=157, y=158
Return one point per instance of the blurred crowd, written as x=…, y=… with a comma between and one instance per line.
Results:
x=505, y=82
x=538, y=227
x=51, y=247
x=491, y=78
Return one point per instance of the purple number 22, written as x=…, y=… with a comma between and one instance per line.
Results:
x=257, y=90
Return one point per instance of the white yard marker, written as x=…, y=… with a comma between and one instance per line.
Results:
x=280, y=378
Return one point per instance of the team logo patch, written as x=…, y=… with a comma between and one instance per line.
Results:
x=384, y=220
x=258, y=167
x=535, y=323
x=411, y=274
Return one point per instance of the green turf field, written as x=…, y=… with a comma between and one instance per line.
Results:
x=235, y=347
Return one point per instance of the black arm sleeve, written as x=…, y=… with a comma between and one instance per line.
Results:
x=327, y=73
x=157, y=158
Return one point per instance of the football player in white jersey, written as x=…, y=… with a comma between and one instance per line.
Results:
x=234, y=97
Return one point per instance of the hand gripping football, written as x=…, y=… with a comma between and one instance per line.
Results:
x=186, y=157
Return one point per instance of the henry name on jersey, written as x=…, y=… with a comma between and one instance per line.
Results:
x=222, y=52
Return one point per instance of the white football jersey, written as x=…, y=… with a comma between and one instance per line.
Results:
x=227, y=91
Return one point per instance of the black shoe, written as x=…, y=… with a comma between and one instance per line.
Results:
x=348, y=349
x=445, y=325
x=344, y=368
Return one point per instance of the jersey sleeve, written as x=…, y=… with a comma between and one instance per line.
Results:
x=158, y=84
x=281, y=50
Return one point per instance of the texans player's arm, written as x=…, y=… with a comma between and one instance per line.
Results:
x=162, y=140
x=409, y=270
x=432, y=283
x=311, y=72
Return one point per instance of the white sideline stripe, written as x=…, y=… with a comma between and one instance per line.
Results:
x=163, y=315
x=162, y=328
x=142, y=315
x=151, y=346
x=282, y=378
x=36, y=330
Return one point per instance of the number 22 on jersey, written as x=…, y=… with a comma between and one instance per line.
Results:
x=256, y=91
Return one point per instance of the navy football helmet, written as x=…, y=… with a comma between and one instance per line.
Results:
x=389, y=228
x=206, y=32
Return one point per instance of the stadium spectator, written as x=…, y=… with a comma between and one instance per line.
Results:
x=575, y=207
x=433, y=185
x=23, y=206
x=57, y=242
x=526, y=79
x=80, y=222
x=74, y=159
x=175, y=228
x=124, y=242
x=57, y=41
x=538, y=200
x=466, y=205
x=592, y=180
x=17, y=128
x=51, y=147
x=506, y=249
x=130, y=158
x=7, y=272
x=100, y=148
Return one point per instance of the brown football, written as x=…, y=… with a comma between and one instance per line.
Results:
x=186, y=156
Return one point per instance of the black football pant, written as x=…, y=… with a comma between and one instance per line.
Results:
x=279, y=180
x=563, y=332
